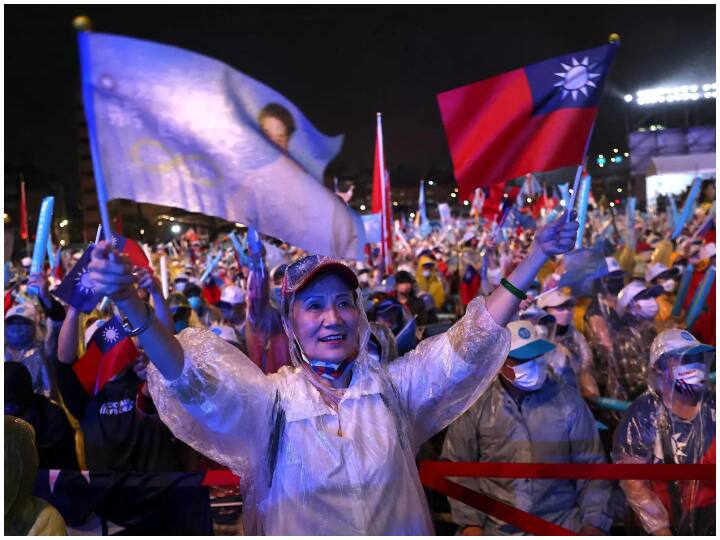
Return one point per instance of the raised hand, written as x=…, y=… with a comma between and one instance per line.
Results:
x=557, y=237
x=111, y=276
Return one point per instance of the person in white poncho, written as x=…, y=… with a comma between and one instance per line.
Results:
x=325, y=447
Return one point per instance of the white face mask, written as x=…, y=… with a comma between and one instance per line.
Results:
x=669, y=285
x=690, y=378
x=563, y=316
x=530, y=375
x=647, y=308
x=426, y=273
x=494, y=277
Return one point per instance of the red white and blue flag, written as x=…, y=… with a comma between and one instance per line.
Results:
x=109, y=351
x=533, y=119
x=130, y=248
x=77, y=288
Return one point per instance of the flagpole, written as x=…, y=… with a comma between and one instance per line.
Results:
x=24, y=216
x=383, y=219
x=83, y=25
x=613, y=39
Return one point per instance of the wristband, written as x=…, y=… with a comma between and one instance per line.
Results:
x=513, y=289
x=132, y=332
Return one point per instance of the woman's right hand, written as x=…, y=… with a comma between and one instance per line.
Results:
x=111, y=273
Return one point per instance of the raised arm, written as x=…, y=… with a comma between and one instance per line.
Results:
x=553, y=239
x=68, y=340
x=112, y=276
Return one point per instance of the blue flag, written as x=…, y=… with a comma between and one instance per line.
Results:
x=77, y=289
x=179, y=129
x=582, y=267
x=406, y=339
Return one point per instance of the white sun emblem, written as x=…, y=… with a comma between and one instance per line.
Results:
x=111, y=334
x=115, y=241
x=577, y=78
x=85, y=283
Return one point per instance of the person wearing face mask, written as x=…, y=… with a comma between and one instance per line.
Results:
x=181, y=311
x=637, y=307
x=580, y=361
x=429, y=282
x=659, y=274
x=232, y=306
x=327, y=446
x=24, y=344
x=529, y=416
x=672, y=422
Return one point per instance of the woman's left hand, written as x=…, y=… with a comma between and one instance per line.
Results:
x=557, y=237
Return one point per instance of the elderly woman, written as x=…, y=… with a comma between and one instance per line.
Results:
x=326, y=447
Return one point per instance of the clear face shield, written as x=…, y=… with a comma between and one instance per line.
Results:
x=683, y=375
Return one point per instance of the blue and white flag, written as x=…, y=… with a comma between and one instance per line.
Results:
x=77, y=287
x=176, y=128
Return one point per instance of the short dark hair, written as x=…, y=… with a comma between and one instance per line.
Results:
x=274, y=110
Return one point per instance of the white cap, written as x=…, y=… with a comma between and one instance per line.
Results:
x=655, y=269
x=225, y=332
x=613, y=265
x=232, y=294
x=707, y=251
x=676, y=341
x=553, y=299
x=26, y=310
x=632, y=290
x=26, y=261
x=90, y=331
x=525, y=343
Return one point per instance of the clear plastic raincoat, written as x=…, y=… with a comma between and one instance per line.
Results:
x=307, y=467
x=650, y=432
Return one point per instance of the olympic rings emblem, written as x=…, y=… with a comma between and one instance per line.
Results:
x=199, y=166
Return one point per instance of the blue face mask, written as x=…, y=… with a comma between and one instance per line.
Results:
x=277, y=291
x=195, y=302
x=19, y=335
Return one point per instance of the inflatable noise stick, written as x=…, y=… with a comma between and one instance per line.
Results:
x=41, y=239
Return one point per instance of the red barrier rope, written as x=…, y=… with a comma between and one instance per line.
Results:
x=433, y=475
x=569, y=471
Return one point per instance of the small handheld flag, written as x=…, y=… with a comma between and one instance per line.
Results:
x=77, y=288
x=109, y=351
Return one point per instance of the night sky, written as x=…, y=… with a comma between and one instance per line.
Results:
x=340, y=65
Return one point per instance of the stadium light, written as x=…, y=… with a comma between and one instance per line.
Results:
x=362, y=207
x=175, y=228
x=453, y=195
x=466, y=202
x=675, y=94
x=628, y=98
x=412, y=215
x=612, y=204
x=431, y=183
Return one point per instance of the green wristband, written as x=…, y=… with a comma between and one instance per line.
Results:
x=513, y=289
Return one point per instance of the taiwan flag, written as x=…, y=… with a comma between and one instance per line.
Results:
x=77, y=288
x=132, y=249
x=109, y=351
x=534, y=119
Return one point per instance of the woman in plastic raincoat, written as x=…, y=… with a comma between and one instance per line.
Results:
x=326, y=447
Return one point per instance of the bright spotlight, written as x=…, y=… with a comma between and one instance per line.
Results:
x=612, y=204
x=362, y=207
x=628, y=98
x=175, y=228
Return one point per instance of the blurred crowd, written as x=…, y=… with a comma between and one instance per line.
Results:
x=601, y=369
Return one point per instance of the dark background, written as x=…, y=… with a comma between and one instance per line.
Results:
x=340, y=65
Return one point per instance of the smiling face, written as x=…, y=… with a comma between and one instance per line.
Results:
x=325, y=319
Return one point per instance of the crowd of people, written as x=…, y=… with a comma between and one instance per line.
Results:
x=480, y=344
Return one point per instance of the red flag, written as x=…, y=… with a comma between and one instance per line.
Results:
x=537, y=118
x=109, y=351
x=381, y=182
x=23, y=213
